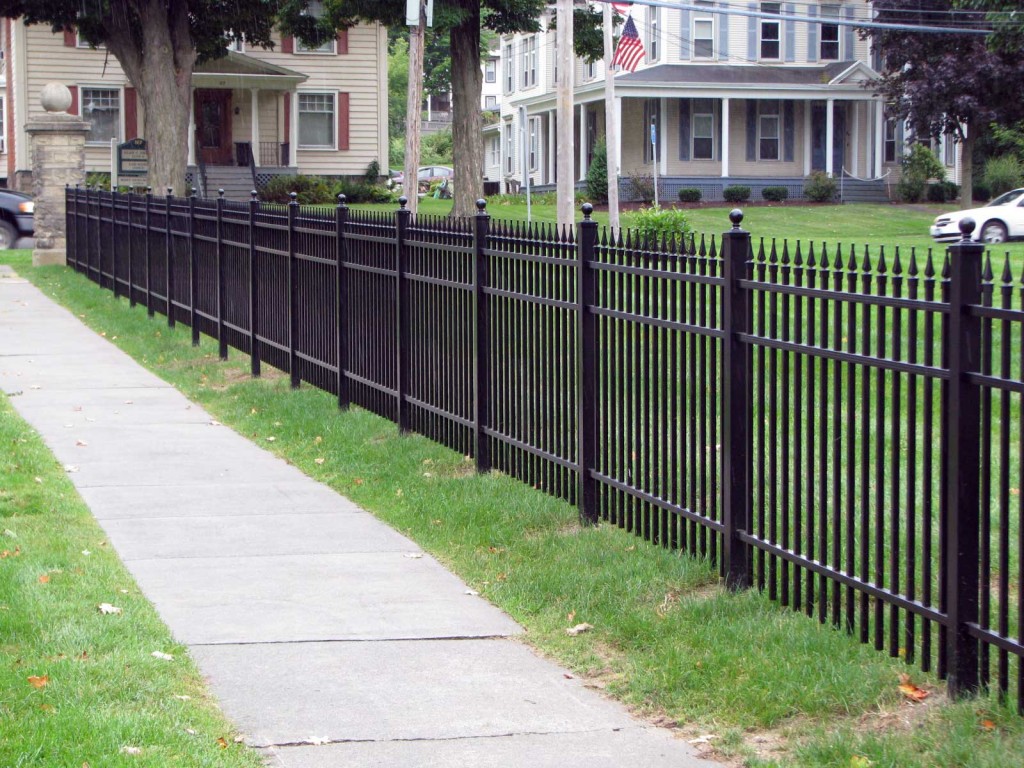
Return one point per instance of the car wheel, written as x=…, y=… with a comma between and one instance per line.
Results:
x=993, y=232
x=7, y=236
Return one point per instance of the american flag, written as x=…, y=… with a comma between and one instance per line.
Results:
x=630, y=50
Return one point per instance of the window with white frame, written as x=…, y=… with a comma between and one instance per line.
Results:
x=702, y=123
x=490, y=102
x=316, y=121
x=829, y=33
x=495, y=151
x=510, y=77
x=889, y=142
x=101, y=107
x=533, y=142
x=654, y=30
x=652, y=114
x=948, y=149
x=509, y=148
x=771, y=47
x=769, y=123
x=81, y=42
x=590, y=70
x=530, y=62
x=316, y=10
x=490, y=70
x=703, y=34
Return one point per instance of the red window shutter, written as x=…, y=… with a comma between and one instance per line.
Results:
x=70, y=38
x=131, y=114
x=288, y=117
x=73, y=109
x=342, y=120
x=342, y=41
x=287, y=44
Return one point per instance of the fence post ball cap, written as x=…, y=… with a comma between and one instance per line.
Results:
x=193, y=191
x=294, y=198
x=967, y=225
x=736, y=216
x=254, y=194
x=341, y=199
x=403, y=201
x=170, y=191
x=587, y=210
x=481, y=205
x=55, y=97
x=220, y=193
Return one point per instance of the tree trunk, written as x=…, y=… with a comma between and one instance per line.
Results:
x=967, y=168
x=467, y=126
x=159, y=57
x=414, y=106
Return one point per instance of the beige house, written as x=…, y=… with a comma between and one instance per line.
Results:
x=293, y=109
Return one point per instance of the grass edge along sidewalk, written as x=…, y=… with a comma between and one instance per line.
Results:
x=765, y=687
x=80, y=685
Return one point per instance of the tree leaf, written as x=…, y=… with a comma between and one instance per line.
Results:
x=579, y=629
x=107, y=608
x=39, y=681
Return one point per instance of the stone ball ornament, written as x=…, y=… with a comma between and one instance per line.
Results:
x=55, y=97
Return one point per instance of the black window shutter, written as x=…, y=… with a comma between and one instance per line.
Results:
x=788, y=129
x=751, y=130
x=684, y=129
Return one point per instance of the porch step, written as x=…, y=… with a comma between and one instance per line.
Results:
x=235, y=181
x=860, y=191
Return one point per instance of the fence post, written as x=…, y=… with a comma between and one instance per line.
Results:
x=341, y=305
x=963, y=446
x=254, y=344
x=193, y=269
x=72, y=224
x=586, y=299
x=402, y=215
x=736, y=404
x=128, y=243
x=113, y=241
x=293, y=296
x=149, y=254
x=169, y=257
x=88, y=233
x=222, y=341
x=482, y=333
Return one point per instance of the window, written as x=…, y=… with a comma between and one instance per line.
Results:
x=495, y=151
x=490, y=102
x=530, y=62
x=534, y=142
x=81, y=42
x=703, y=129
x=770, y=46
x=768, y=125
x=316, y=120
x=490, y=71
x=509, y=147
x=703, y=38
x=829, y=33
x=948, y=149
x=889, y=150
x=510, y=78
x=654, y=28
x=652, y=113
x=102, y=108
x=590, y=70
x=316, y=10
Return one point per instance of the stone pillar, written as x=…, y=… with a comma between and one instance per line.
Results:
x=58, y=161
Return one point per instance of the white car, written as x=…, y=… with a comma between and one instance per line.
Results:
x=997, y=222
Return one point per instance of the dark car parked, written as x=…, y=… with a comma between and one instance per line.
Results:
x=16, y=222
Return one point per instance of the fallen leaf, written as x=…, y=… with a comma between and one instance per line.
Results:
x=81, y=443
x=70, y=468
x=471, y=592
x=222, y=743
x=911, y=691
x=39, y=681
x=358, y=481
x=567, y=676
x=86, y=552
x=214, y=423
x=191, y=731
x=39, y=480
x=162, y=655
x=318, y=439
x=704, y=738
x=319, y=461
x=46, y=707
x=182, y=697
x=428, y=474
x=1015, y=491
x=579, y=629
x=988, y=725
x=44, y=579
x=131, y=750
x=398, y=492
x=271, y=439
x=859, y=761
x=571, y=615
x=10, y=534
x=107, y=608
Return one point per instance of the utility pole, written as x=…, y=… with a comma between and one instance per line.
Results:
x=566, y=186
x=611, y=130
x=414, y=100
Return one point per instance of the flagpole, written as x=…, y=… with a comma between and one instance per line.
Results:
x=611, y=130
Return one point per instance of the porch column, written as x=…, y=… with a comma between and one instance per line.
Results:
x=551, y=148
x=255, y=126
x=293, y=130
x=725, y=139
x=663, y=137
x=618, y=132
x=829, y=136
x=855, y=138
x=191, y=126
x=583, y=141
x=808, y=136
x=879, y=137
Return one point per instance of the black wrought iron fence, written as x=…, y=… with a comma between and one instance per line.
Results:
x=842, y=428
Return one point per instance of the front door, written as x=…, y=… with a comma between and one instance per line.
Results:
x=819, y=133
x=213, y=126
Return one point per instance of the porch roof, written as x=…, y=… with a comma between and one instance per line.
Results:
x=732, y=75
x=236, y=70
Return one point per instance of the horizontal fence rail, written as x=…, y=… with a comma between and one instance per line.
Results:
x=842, y=428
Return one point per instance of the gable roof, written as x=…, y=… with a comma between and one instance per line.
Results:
x=236, y=70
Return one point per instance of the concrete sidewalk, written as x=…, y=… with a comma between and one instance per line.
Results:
x=328, y=638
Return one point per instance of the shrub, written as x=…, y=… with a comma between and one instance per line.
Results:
x=943, y=192
x=736, y=193
x=1002, y=174
x=656, y=223
x=819, y=187
x=641, y=186
x=360, y=192
x=775, y=194
x=981, y=191
x=437, y=148
x=311, y=190
x=919, y=166
x=597, y=174
x=689, y=195
x=372, y=174
x=98, y=179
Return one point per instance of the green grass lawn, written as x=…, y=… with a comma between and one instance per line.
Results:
x=771, y=687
